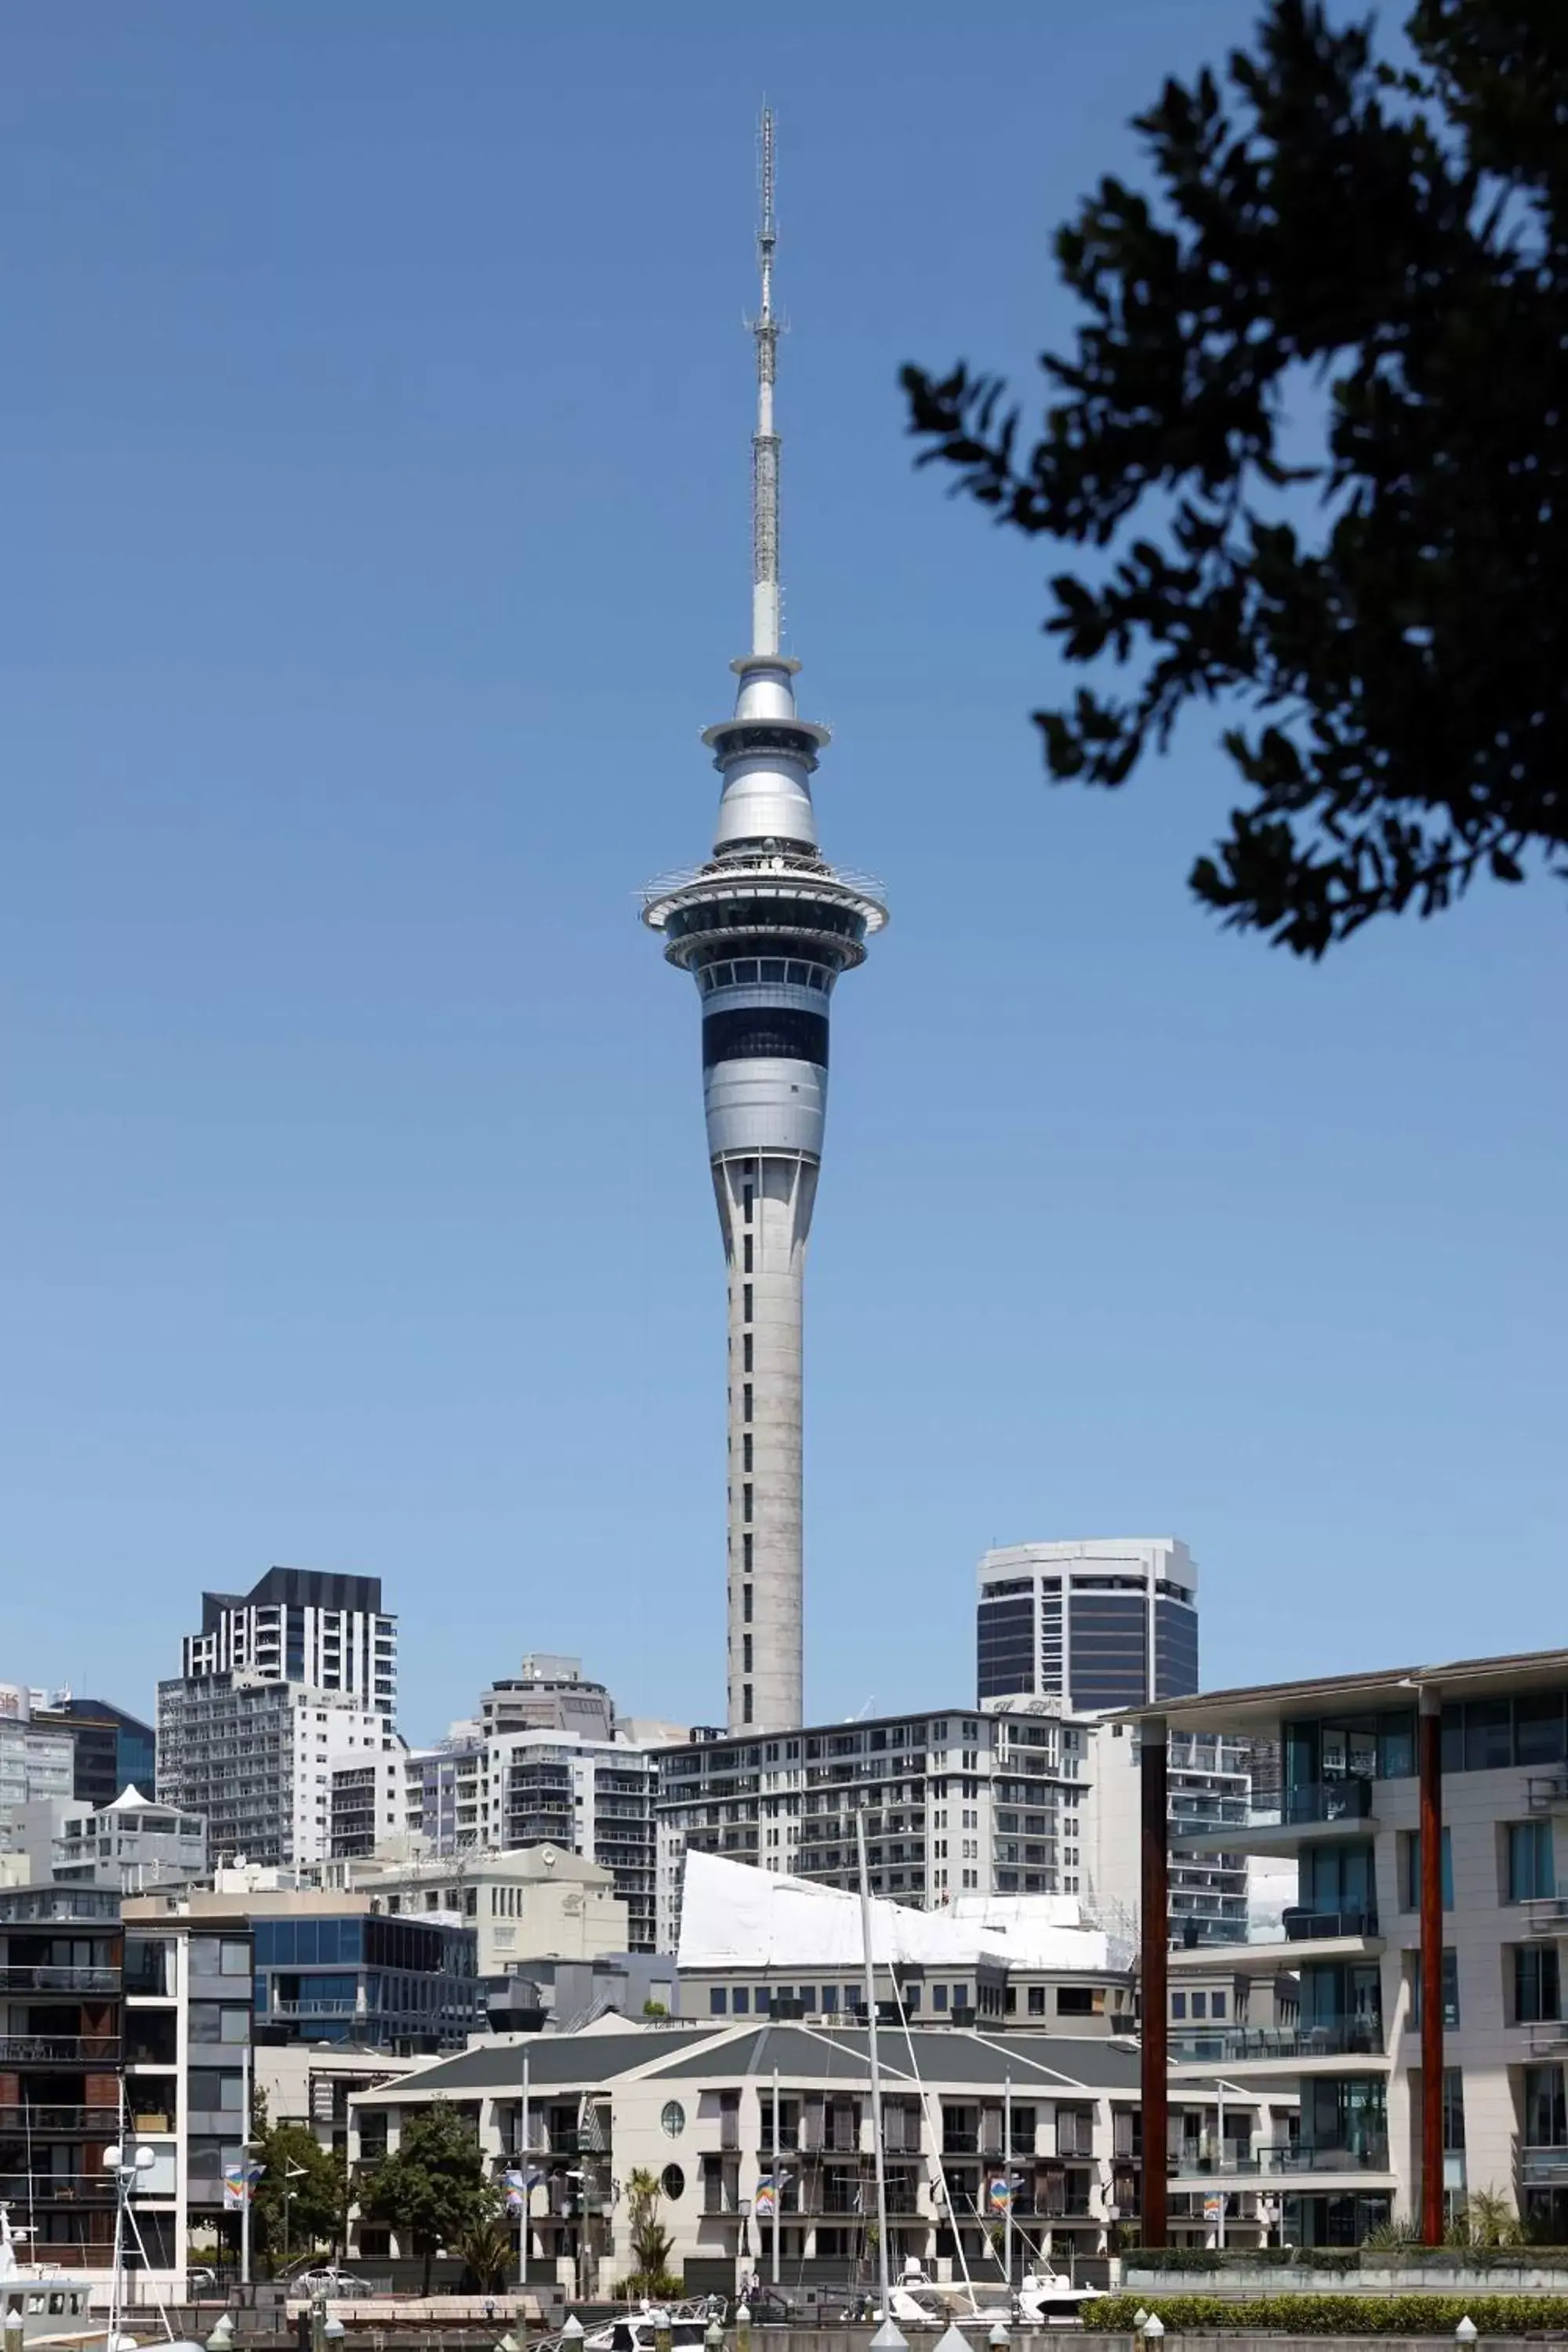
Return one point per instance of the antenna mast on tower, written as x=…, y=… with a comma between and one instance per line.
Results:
x=765, y=440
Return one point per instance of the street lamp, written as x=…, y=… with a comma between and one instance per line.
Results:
x=290, y=2172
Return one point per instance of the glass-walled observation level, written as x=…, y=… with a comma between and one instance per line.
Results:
x=729, y=912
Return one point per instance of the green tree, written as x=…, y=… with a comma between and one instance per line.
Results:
x=650, y=2240
x=300, y=2200
x=434, y=2188
x=489, y=2249
x=1322, y=363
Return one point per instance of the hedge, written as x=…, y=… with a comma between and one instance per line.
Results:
x=1333, y=2315
x=1344, y=2259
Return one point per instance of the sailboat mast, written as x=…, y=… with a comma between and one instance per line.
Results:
x=882, y=2272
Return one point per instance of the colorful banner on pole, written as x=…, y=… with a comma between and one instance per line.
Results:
x=765, y=2202
x=999, y=2193
x=239, y=2184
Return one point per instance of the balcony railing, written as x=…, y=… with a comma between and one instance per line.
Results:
x=1327, y=1801
x=41, y=2119
x=1234, y=2045
x=1272, y=2161
x=51, y=1979
x=1310, y=1926
x=1543, y=2168
x=1548, y=1914
x=59, y=2049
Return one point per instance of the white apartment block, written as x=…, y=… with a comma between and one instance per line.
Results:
x=695, y=2106
x=589, y=1796
x=957, y=1801
x=257, y=1757
x=281, y=1686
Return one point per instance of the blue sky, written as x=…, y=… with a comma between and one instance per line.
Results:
x=375, y=472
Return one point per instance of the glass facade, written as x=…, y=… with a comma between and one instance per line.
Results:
x=1005, y=1642
x=1107, y=1635
x=406, y=1985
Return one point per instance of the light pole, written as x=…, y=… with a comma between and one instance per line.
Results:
x=291, y=2172
x=1221, y=2087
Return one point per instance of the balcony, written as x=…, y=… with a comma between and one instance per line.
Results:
x=60, y=2050
x=1281, y=2160
x=1548, y=1791
x=1276, y=2045
x=89, y=2122
x=1547, y=1915
x=1543, y=2168
x=51, y=1979
x=1322, y=1811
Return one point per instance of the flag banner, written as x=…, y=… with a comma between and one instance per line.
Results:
x=764, y=2201
x=998, y=2193
x=239, y=2184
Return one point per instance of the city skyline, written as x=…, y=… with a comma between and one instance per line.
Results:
x=376, y=547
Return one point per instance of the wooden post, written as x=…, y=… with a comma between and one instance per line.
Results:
x=1155, y=1932
x=1429, y=1766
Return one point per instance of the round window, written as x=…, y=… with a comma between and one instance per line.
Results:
x=674, y=2119
x=672, y=2180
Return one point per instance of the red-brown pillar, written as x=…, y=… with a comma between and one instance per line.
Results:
x=1156, y=1931
x=1429, y=1767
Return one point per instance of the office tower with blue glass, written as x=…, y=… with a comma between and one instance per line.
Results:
x=765, y=927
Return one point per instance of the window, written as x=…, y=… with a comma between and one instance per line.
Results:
x=1179, y=2005
x=939, y=1996
x=1453, y=2110
x=672, y=2116
x=746, y=1500
x=746, y=1553
x=745, y=1702
x=747, y=1259
x=1545, y=2109
x=746, y=1451
x=746, y=1352
x=745, y=1302
x=1537, y=1984
x=1075, y=2000
x=746, y=1402
x=1410, y=1877
x=740, y=2001
x=746, y=1652
x=1216, y=2004
x=672, y=2180
x=745, y=1604
x=1200, y=2004
x=718, y=2001
x=1530, y=1874
x=1036, y=2000
x=1450, y=1989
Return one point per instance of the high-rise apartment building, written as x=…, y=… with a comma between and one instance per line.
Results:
x=1101, y=1624
x=298, y=1625
x=957, y=1801
x=765, y=927
x=280, y=1688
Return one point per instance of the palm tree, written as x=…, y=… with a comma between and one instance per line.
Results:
x=651, y=2242
x=489, y=2249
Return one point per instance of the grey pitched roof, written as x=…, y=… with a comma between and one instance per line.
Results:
x=555, y=2062
x=944, y=2058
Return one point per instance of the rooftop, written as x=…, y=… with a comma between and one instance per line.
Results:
x=1262, y=1707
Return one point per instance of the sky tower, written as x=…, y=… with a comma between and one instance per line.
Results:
x=765, y=927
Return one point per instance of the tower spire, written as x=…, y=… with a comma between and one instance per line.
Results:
x=765, y=440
